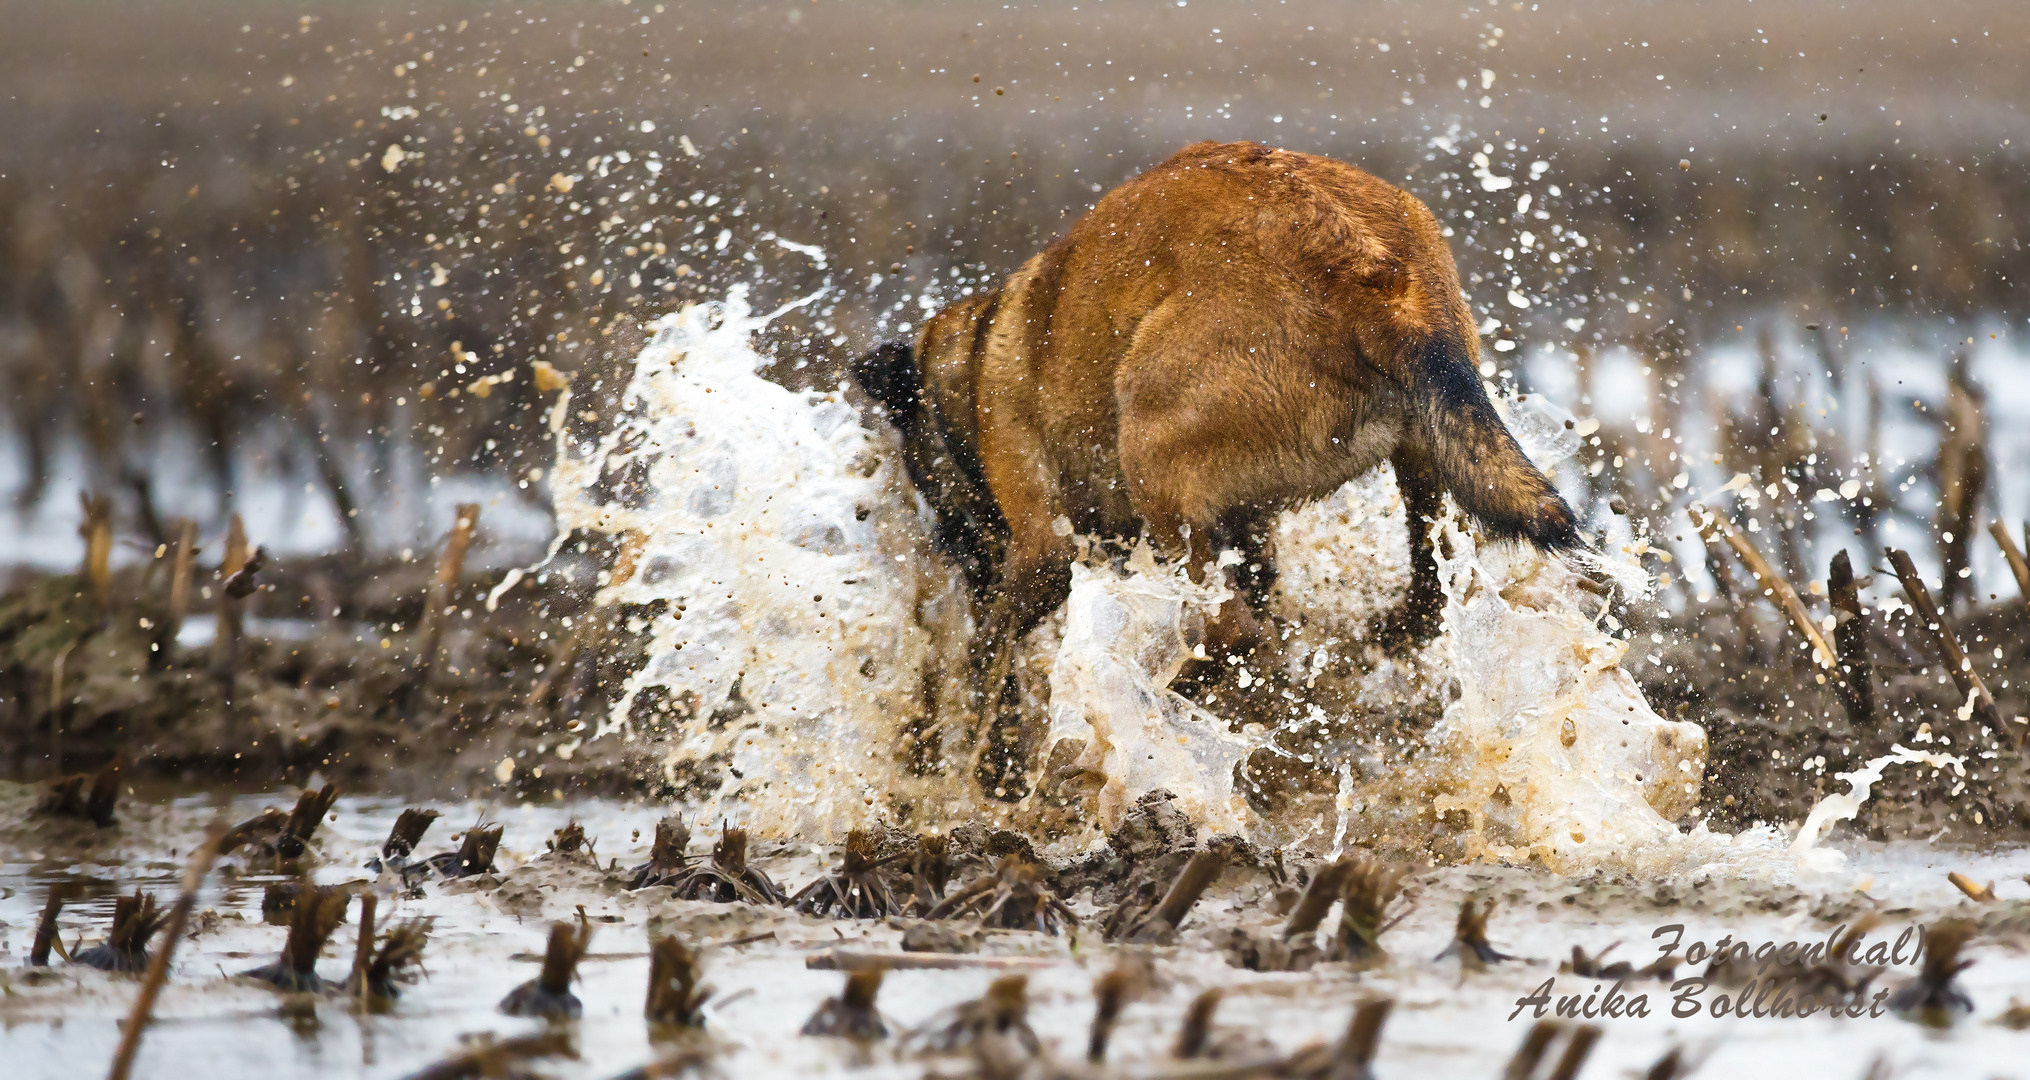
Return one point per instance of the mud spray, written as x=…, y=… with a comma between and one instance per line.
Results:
x=806, y=648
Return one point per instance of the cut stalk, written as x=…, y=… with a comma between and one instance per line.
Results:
x=2014, y=554
x=158, y=968
x=1942, y=638
x=450, y=568
x=1850, y=636
x=1773, y=586
x=226, y=642
x=179, y=583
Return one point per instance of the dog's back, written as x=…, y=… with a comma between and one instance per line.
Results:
x=1233, y=331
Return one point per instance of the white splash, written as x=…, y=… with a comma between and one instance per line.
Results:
x=801, y=639
x=1560, y=759
x=1126, y=636
x=1842, y=806
x=763, y=524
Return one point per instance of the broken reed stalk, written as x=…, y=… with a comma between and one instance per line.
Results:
x=443, y=588
x=1962, y=476
x=97, y=530
x=46, y=927
x=1773, y=585
x=588, y=631
x=179, y=583
x=1856, y=686
x=1318, y=899
x=158, y=968
x=2014, y=554
x=1196, y=1030
x=1191, y=883
x=225, y=646
x=363, y=952
x=1364, y=1033
x=1983, y=893
x=1110, y=995
x=1577, y=1049
x=56, y=704
x=1942, y=638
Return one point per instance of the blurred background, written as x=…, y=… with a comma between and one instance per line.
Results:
x=294, y=262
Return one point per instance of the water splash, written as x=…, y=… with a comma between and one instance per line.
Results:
x=1842, y=806
x=805, y=648
x=780, y=572
x=1126, y=636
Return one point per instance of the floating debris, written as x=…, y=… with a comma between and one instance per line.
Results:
x=2016, y=1017
x=1158, y=925
x=135, y=921
x=1469, y=938
x=674, y=997
x=930, y=936
x=1934, y=996
x=1827, y=980
x=549, y=995
x=1983, y=893
x=667, y=860
x=852, y=1014
x=728, y=879
x=571, y=840
x=691, y=1060
x=1013, y=897
x=1365, y=893
x=474, y=855
x=316, y=914
x=856, y=891
x=70, y=797
x=278, y=899
x=1297, y=948
x=489, y=1058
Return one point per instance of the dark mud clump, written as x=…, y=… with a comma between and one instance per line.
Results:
x=135, y=921
x=675, y=998
x=852, y=1014
x=316, y=915
x=474, y=856
x=90, y=797
x=728, y=878
x=667, y=859
x=548, y=995
x=856, y=891
x=1016, y=896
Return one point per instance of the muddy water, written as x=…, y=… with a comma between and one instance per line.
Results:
x=208, y=1024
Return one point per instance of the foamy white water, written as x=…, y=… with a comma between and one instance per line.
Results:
x=803, y=637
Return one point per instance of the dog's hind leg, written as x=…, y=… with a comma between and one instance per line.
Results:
x=1418, y=620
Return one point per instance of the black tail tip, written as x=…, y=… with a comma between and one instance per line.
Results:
x=888, y=374
x=1554, y=527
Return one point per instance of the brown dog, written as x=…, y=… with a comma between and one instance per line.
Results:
x=1235, y=331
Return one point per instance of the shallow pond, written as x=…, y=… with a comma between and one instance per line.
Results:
x=485, y=941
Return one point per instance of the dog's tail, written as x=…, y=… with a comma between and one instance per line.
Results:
x=891, y=376
x=1468, y=451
